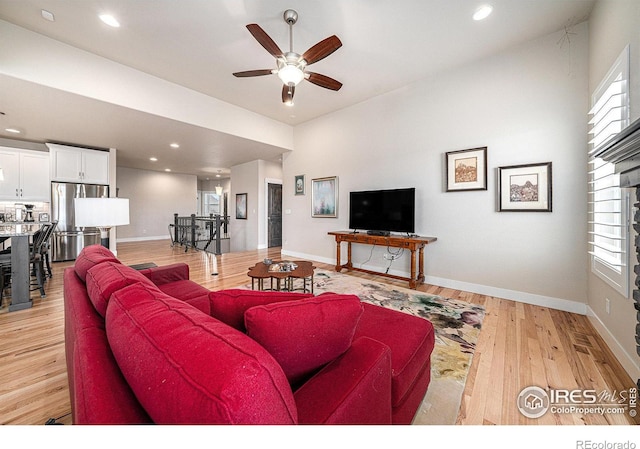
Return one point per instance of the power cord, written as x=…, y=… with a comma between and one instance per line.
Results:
x=54, y=421
x=393, y=256
x=370, y=255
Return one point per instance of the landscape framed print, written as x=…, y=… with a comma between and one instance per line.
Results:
x=324, y=197
x=467, y=169
x=241, y=206
x=525, y=188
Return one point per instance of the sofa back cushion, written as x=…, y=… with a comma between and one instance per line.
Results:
x=187, y=367
x=229, y=305
x=305, y=335
x=90, y=256
x=104, y=279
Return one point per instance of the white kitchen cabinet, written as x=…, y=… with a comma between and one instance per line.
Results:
x=26, y=175
x=71, y=164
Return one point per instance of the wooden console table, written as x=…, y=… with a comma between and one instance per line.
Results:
x=395, y=241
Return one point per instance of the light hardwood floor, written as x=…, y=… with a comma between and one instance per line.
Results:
x=520, y=345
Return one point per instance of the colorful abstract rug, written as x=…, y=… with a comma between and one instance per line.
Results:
x=457, y=325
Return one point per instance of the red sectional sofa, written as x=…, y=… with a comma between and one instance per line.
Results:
x=151, y=346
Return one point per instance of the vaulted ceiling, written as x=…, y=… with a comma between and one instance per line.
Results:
x=198, y=44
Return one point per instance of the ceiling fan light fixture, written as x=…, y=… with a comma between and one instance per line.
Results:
x=291, y=75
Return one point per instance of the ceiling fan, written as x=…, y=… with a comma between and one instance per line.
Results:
x=291, y=66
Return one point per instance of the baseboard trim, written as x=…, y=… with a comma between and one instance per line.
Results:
x=514, y=295
x=142, y=239
x=627, y=361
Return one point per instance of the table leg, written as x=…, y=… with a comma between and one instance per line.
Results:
x=20, y=267
x=421, y=264
x=412, y=282
x=349, y=264
x=338, y=265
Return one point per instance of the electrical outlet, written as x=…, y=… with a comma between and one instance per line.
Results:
x=607, y=305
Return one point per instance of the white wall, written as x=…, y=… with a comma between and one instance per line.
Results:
x=153, y=199
x=612, y=26
x=244, y=233
x=250, y=178
x=527, y=105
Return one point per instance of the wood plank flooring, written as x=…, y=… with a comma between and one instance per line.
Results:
x=520, y=345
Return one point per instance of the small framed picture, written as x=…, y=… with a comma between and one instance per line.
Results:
x=43, y=216
x=467, y=169
x=525, y=188
x=324, y=197
x=299, y=185
x=241, y=206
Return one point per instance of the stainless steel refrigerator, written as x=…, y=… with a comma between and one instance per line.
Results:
x=68, y=239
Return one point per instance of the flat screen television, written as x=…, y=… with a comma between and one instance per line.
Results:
x=383, y=210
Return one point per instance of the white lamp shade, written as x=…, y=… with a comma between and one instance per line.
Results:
x=290, y=75
x=101, y=212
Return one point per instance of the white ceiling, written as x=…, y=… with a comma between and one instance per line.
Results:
x=198, y=44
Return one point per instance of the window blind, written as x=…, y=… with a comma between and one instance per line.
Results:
x=608, y=203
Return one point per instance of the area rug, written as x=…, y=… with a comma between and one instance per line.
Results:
x=457, y=325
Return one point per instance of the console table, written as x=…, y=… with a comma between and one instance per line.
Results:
x=395, y=241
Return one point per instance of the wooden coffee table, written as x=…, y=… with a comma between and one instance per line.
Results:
x=261, y=271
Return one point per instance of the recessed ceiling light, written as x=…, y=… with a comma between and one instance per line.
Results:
x=153, y=159
x=167, y=169
x=174, y=145
x=12, y=130
x=483, y=12
x=110, y=20
x=47, y=15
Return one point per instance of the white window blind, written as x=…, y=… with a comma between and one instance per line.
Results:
x=608, y=203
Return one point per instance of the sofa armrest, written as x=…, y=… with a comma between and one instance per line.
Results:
x=353, y=389
x=167, y=273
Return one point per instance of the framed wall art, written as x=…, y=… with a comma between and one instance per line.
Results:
x=525, y=188
x=241, y=206
x=299, y=185
x=324, y=197
x=467, y=169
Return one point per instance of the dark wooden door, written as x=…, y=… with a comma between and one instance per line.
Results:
x=274, y=208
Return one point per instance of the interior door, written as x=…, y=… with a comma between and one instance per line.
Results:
x=274, y=214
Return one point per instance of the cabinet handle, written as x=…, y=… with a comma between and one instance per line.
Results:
x=17, y=192
x=20, y=192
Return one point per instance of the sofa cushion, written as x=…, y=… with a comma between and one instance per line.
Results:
x=187, y=367
x=410, y=338
x=305, y=335
x=184, y=289
x=92, y=255
x=229, y=305
x=108, y=277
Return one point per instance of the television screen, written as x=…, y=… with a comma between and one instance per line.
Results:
x=383, y=210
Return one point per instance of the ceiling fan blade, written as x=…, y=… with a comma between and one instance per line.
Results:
x=287, y=93
x=323, y=81
x=263, y=39
x=253, y=73
x=322, y=49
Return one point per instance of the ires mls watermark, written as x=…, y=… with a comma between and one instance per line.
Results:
x=534, y=402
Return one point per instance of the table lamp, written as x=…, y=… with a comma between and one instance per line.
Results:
x=101, y=213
